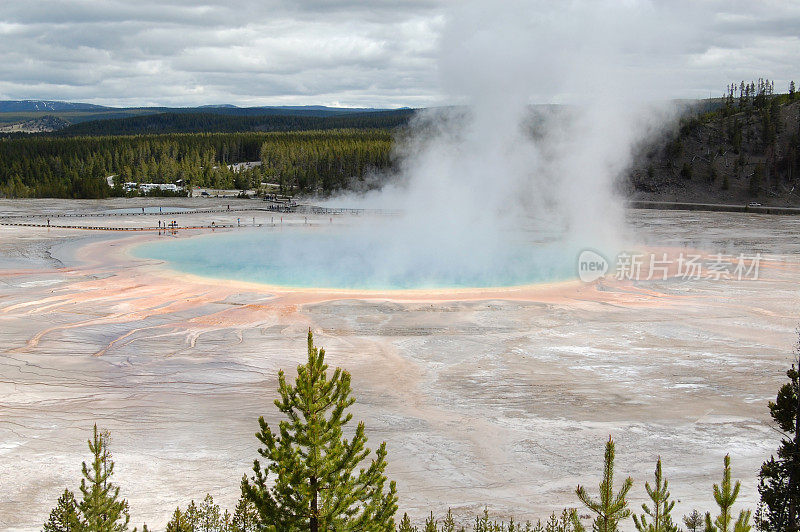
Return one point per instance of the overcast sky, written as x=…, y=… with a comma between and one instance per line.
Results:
x=369, y=53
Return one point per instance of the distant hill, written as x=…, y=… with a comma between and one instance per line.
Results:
x=207, y=122
x=46, y=106
x=747, y=151
x=44, y=124
x=218, y=106
x=20, y=111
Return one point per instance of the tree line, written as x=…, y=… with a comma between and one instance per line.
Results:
x=313, y=478
x=747, y=140
x=304, y=162
x=756, y=102
x=216, y=122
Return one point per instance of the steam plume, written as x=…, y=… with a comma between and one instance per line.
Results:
x=492, y=171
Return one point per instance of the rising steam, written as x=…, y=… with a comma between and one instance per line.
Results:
x=494, y=170
x=494, y=189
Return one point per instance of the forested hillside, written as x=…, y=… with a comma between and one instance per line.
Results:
x=746, y=150
x=225, y=123
x=743, y=148
x=308, y=161
x=16, y=112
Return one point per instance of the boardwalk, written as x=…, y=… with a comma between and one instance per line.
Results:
x=171, y=219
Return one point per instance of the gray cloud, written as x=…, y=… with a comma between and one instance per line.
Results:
x=336, y=52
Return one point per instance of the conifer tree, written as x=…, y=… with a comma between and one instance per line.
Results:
x=208, y=516
x=693, y=521
x=101, y=507
x=65, y=516
x=430, y=524
x=563, y=523
x=316, y=482
x=662, y=506
x=482, y=522
x=205, y=517
x=245, y=517
x=725, y=496
x=779, y=478
x=405, y=525
x=179, y=522
x=449, y=524
x=610, y=508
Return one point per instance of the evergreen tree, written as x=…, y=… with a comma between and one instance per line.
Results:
x=179, y=522
x=483, y=524
x=742, y=95
x=694, y=521
x=245, y=517
x=405, y=525
x=65, y=516
x=207, y=517
x=662, y=506
x=449, y=524
x=610, y=508
x=725, y=496
x=316, y=486
x=101, y=507
x=430, y=524
x=562, y=523
x=779, y=478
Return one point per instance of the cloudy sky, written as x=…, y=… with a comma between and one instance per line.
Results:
x=369, y=53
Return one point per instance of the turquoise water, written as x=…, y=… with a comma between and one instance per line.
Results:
x=348, y=259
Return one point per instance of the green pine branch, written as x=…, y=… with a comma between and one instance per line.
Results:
x=611, y=508
x=658, y=514
x=319, y=479
x=725, y=495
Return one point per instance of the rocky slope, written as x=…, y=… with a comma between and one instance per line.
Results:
x=736, y=154
x=42, y=124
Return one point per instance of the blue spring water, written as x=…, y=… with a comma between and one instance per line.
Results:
x=343, y=259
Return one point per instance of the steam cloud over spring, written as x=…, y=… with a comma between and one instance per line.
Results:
x=496, y=189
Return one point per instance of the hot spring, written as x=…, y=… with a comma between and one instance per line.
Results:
x=357, y=258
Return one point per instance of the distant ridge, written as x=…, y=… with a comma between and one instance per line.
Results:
x=210, y=122
x=218, y=106
x=16, y=106
x=15, y=113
